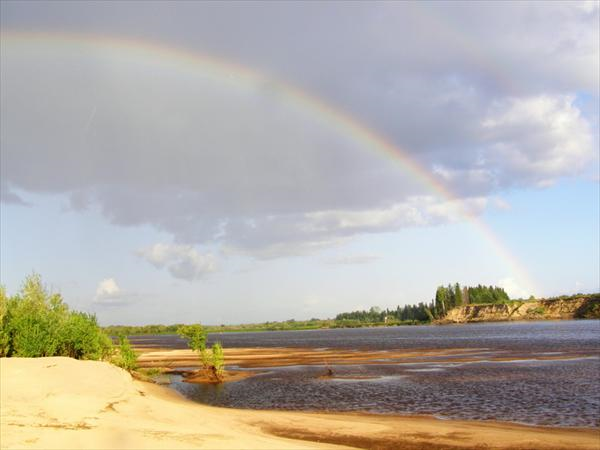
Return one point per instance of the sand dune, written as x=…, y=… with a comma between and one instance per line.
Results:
x=63, y=403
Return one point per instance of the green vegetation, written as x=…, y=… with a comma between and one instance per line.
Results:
x=406, y=315
x=213, y=363
x=540, y=310
x=116, y=330
x=446, y=298
x=150, y=371
x=196, y=337
x=4, y=324
x=218, y=360
x=591, y=309
x=451, y=296
x=37, y=323
x=126, y=358
x=129, y=330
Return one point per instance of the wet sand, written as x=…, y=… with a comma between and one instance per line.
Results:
x=285, y=356
x=64, y=403
x=203, y=377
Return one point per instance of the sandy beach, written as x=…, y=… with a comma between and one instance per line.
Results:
x=64, y=403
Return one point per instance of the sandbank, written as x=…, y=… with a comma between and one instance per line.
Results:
x=260, y=357
x=52, y=403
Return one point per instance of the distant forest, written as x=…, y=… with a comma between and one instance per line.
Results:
x=446, y=298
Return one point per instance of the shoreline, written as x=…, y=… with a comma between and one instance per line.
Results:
x=65, y=403
x=215, y=330
x=575, y=307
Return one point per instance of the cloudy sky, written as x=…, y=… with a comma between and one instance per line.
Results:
x=171, y=162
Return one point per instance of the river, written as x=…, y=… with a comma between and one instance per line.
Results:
x=510, y=378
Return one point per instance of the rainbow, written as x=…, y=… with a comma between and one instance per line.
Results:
x=236, y=74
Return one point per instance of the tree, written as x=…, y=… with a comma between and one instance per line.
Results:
x=213, y=363
x=487, y=294
x=441, y=295
x=465, y=295
x=458, y=295
x=196, y=337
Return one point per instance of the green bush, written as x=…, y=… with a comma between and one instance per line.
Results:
x=212, y=362
x=79, y=338
x=126, y=358
x=218, y=361
x=196, y=339
x=195, y=335
x=38, y=323
x=4, y=321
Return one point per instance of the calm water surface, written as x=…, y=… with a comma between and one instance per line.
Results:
x=560, y=392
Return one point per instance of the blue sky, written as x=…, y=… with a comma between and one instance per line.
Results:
x=148, y=192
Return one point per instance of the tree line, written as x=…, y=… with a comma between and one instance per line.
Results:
x=451, y=296
x=420, y=312
x=446, y=298
x=128, y=330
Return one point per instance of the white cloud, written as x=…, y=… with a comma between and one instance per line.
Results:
x=537, y=139
x=108, y=288
x=513, y=288
x=416, y=211
x=109, y=293
x=182, y=261
x=294, y=234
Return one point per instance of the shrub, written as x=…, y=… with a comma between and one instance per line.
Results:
x=195, y=335
x=79, y=338
x=213, y=363
x=38, y=323
x=35, y=319
x=5, y=340
x=196, y=340
x=218, y=361
x=126, y=357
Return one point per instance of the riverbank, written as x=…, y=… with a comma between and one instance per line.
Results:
x=582, y=307
x=63, y=403
x=579, y=306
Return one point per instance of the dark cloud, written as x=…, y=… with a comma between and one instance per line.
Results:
x=484, y=97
